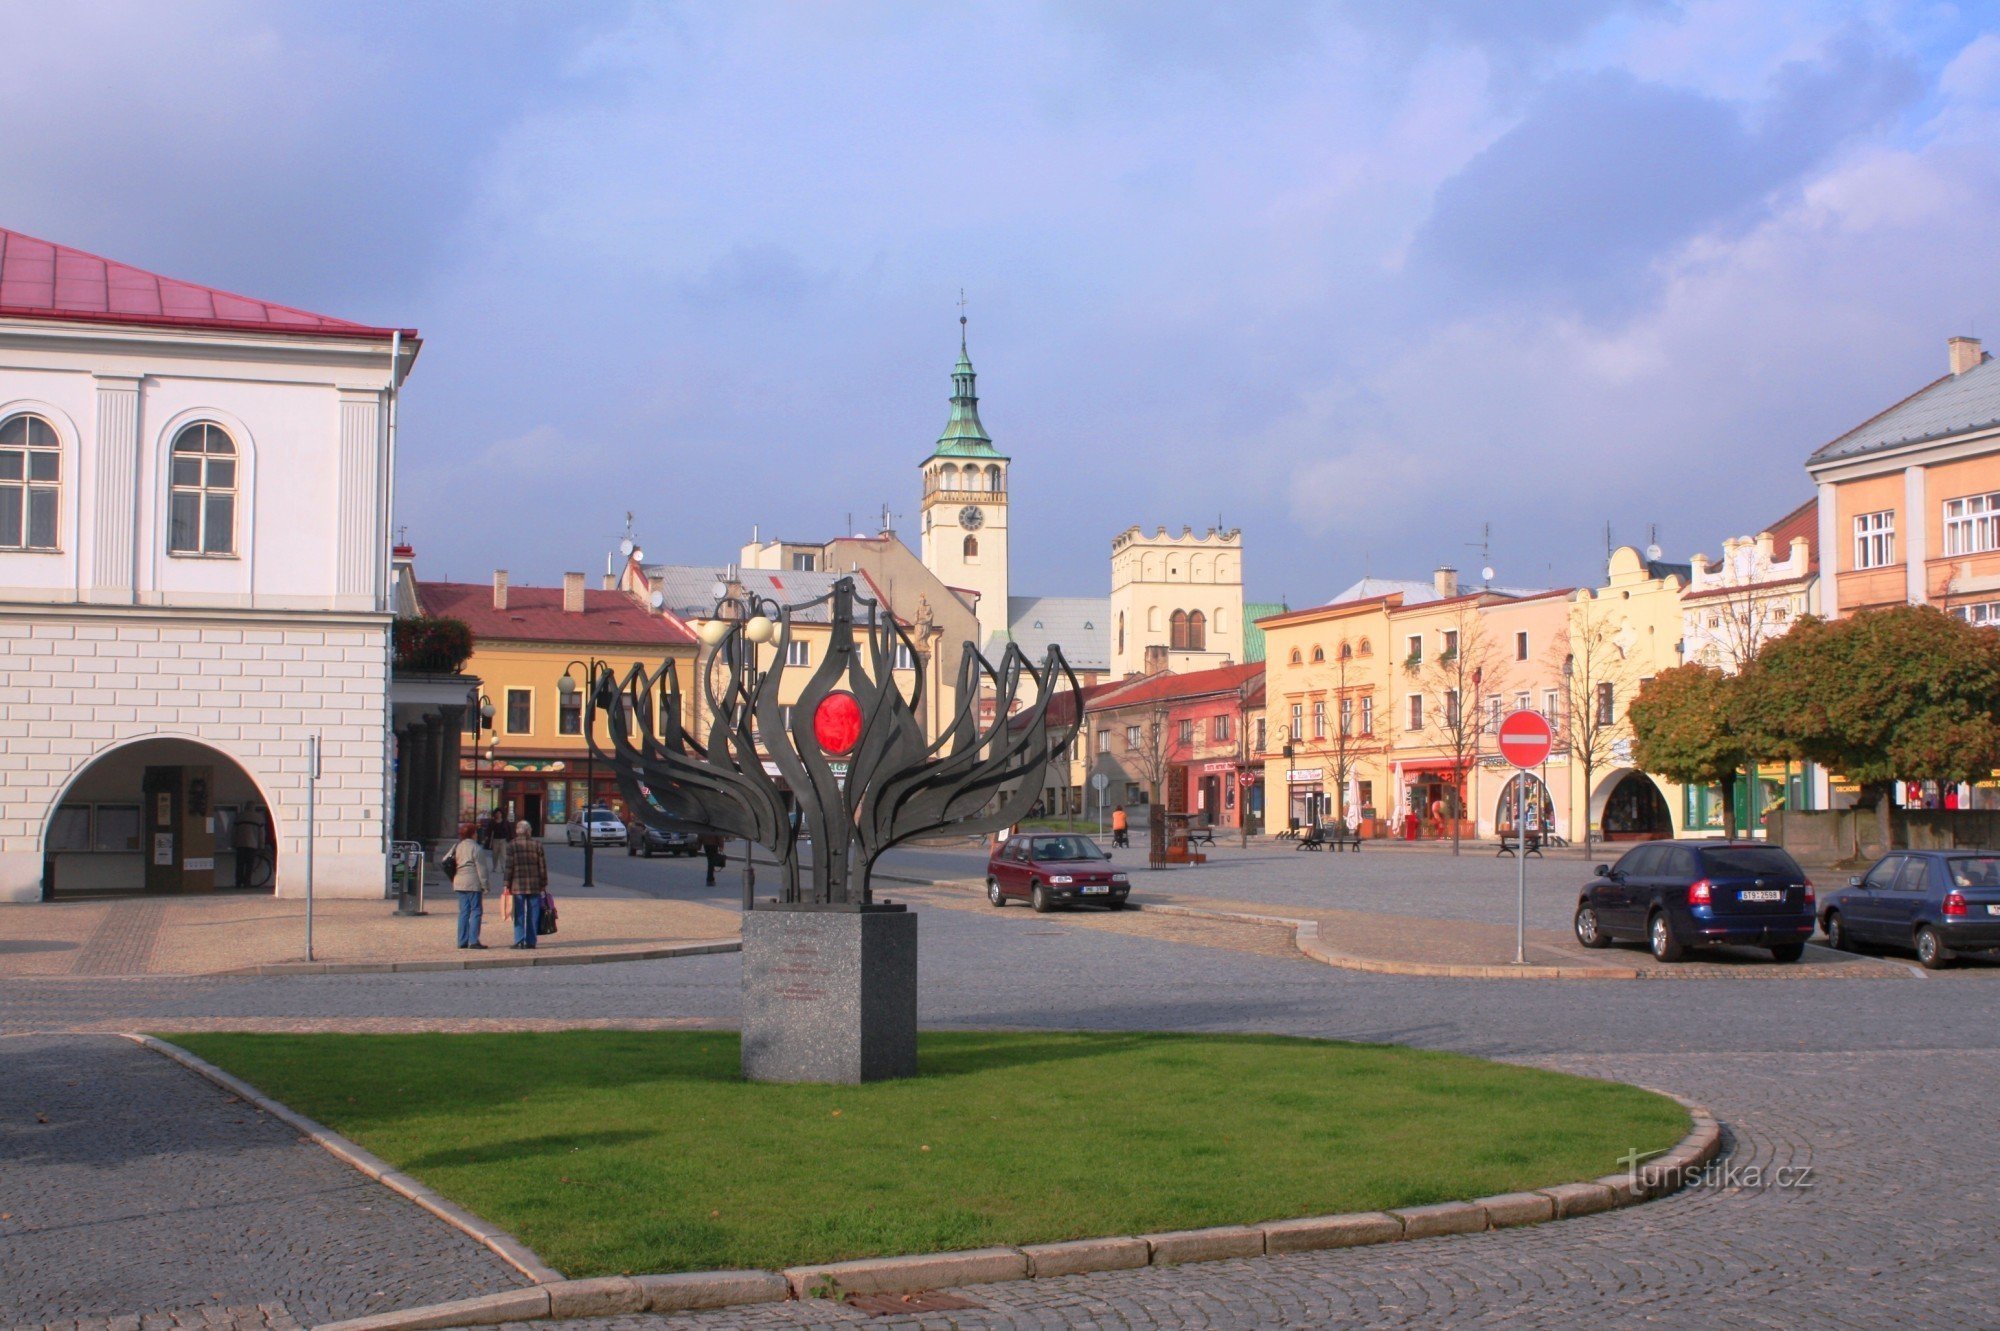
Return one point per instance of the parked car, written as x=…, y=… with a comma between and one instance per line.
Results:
x=603, y=827
x=1674, y=895
x=1049, y=870
x=1938, y=903
x=645, y=839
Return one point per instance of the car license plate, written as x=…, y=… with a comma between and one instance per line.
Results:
x=1993, y=910
x=1766, y=894
x=1095, y=889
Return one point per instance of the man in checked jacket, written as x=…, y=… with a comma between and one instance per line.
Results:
x=527, y=880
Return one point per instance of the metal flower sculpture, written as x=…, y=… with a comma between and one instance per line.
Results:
x=852, y=752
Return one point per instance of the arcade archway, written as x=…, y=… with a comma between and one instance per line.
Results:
x=159, y=816
x=1631, y=808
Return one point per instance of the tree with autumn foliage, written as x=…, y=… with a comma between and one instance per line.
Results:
x=1907, y=693
x=1686, y=727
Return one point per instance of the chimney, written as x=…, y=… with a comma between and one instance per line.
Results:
x=499, y=589
x=1445, y=580
x=572, y=593
x=1965, y=354
x=1156, y=658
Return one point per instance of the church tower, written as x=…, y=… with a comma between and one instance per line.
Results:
x=965, y=505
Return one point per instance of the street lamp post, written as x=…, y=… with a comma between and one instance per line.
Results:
x=482, y=708
x=759, y=616
x=567, y=687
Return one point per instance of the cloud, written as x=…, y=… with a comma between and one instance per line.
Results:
x=1606, y=177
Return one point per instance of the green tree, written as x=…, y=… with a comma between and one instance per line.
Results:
x=1685, y=727
x=1907, y=693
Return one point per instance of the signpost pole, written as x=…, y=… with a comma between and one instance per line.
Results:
x=1524, y=741
x=312, y=789
x=1521, y=866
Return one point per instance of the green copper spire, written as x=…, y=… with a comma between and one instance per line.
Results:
x=963, y=435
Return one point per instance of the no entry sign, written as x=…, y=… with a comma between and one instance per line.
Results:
x=1525, y=738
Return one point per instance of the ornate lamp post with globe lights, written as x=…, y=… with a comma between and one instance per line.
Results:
x=829, y=972
x=567, y=686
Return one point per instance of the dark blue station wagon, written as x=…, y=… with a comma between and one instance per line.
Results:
x=1938, y=903
x=1674, y=895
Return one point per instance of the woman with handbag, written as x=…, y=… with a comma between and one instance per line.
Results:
x=469, y=870
x=527, y=880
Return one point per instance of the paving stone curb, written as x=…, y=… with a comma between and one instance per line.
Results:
x=508, y=1248
x=611, y=1296
x=516, y=959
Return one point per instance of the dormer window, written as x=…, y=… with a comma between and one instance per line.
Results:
x=202, y=517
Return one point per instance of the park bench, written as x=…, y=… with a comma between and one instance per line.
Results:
x=1341, y=837
x=1510, y=844
x=1201, y=836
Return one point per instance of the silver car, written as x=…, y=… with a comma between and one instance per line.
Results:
x=603, y=827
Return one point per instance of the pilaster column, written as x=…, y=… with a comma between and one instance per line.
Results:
x=451, y=725
x=1916, y=516
x=358, y=542
x=113, y=511
x=1834, y=554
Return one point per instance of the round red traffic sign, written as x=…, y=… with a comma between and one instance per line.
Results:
x=1525, y=738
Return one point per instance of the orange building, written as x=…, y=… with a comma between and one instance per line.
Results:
x=1909, y=500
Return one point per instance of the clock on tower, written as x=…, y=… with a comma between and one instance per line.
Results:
x=970, y=517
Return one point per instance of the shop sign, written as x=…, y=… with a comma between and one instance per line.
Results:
x=1305, y=774
x=1218, y=767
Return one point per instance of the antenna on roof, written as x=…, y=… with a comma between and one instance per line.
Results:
x=1485, y=547
x=1653, y=540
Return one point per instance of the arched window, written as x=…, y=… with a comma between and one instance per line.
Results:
x=1346, y=652
x=202, y=519
x=1319, y=655
x=1177, y=631
x=1197, y=632
x=1296, y=658
x=1152, y=619
x=971, y=547
x=948, y=477
x=1366, y=650
x=993, y=477
x=30, y=483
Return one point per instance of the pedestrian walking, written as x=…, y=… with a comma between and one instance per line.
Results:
x=1121, y=827
x=527, y=881
x=713, y=854
x=471, y=872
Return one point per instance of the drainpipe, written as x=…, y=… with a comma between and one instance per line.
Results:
x=386, y=602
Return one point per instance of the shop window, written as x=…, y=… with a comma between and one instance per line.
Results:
x=30, y=484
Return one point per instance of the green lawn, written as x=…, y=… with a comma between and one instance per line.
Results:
x=615, y=1151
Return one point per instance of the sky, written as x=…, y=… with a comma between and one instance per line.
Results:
x=1363, y=280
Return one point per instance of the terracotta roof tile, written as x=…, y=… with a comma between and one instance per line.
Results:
x=535, y=614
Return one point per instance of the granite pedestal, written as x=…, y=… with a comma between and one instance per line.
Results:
x=829, y=994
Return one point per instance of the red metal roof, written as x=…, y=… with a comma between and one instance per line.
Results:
x=1801, y=521
x=41, y=280
x=536, y=614
x=1167, y=686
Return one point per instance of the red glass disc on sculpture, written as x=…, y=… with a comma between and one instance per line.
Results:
x=837, y=722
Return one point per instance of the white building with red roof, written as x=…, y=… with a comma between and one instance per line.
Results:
x=195, y=499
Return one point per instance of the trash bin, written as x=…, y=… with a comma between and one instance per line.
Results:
x=406, y=863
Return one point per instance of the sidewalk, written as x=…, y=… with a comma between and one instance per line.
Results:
x=224, y=933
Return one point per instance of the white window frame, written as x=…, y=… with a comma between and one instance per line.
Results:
x=1875, y=539
x=1368, y=714
x=29, y=486
x=1979, y=614
x=798, y=652
x=205, y=491
x=1416, y=711
x=1972, y=524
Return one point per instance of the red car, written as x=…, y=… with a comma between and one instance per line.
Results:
x=1050, y=870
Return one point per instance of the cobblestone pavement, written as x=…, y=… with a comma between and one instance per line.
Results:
x=1900, y=1230
x=132, y=1187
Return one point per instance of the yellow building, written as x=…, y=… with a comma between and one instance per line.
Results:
x=1619, y=636
x=1326, y=699
x=529, y=758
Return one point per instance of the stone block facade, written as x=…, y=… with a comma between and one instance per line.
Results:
x=252, y=688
